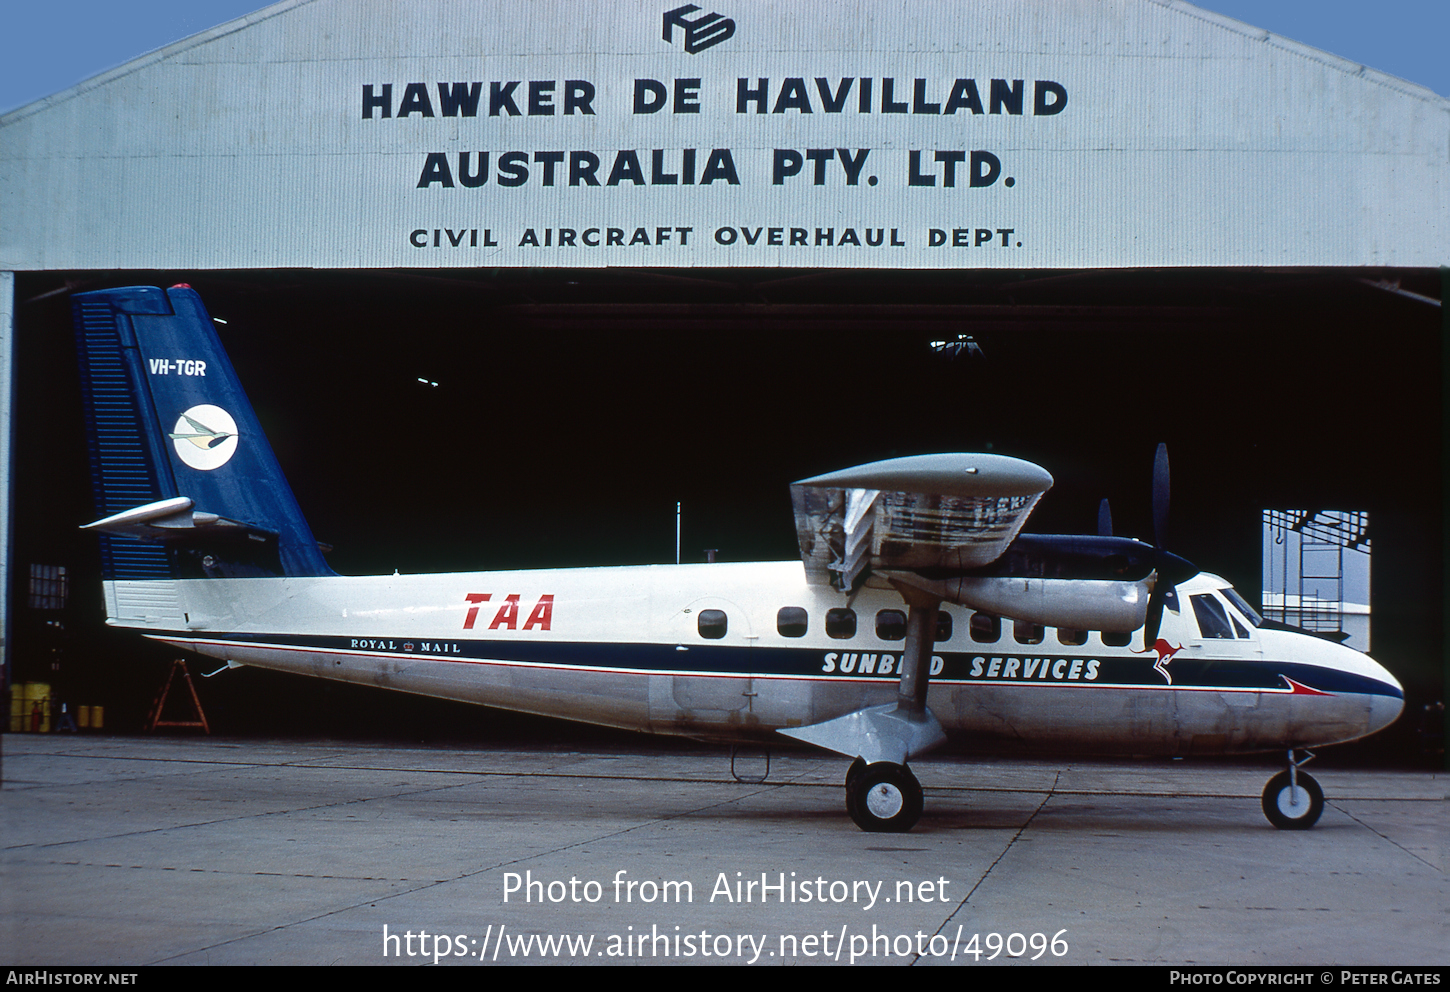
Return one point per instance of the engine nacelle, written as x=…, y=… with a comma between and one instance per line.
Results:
x=1076, y=604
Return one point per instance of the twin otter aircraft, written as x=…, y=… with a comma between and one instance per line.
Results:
x=916, y=611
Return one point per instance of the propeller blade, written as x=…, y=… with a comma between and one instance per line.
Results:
x=1155, y=614
x=1105, y=519
x=1162, y=558
x=1160, y=496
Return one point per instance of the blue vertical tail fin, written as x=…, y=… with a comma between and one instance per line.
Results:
x=185, y=483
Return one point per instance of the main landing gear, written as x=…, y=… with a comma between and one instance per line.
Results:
x=882, y=797
x=1292, y=799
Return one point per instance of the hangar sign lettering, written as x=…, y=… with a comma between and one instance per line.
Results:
x=844, y=96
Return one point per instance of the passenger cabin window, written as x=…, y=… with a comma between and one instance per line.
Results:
x=1212, y=618
x=792, y=621
x=1026, y=633
x=712, y=624
x=1116, y=639
x=985, y=628
x=943, y=626
x=891, y=625
x=1071, y=638
x=841, y=623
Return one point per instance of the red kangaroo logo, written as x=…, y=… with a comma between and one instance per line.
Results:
x=1165, y=653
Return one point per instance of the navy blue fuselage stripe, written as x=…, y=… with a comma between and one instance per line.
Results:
x=811, y=662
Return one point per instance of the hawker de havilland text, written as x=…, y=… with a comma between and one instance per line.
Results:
x=917, y=610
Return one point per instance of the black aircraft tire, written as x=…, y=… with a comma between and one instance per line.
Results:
x=885, y=798
x=852, y=774
x=1279, y=804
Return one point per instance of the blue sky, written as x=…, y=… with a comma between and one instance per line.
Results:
x=47, y=47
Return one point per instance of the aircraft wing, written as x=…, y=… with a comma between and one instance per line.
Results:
x=947, y=511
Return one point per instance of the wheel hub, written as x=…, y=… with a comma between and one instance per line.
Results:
x=1294, y=801
x=885, y=801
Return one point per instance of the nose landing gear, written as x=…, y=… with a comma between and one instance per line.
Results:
x=1292, y=799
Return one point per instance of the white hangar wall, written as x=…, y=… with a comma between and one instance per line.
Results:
x=1006, y=133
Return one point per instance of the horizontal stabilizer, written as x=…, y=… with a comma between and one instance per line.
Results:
x=954, y=511
x=173, y=519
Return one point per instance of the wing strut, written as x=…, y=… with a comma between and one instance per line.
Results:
x=921, y=618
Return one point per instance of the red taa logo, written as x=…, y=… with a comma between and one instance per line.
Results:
x=507, y=617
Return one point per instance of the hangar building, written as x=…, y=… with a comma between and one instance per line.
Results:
x=507, y=281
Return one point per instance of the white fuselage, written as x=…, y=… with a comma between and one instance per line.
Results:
x=624, y=647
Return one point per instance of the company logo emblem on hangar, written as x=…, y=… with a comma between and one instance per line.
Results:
x=702, y=32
